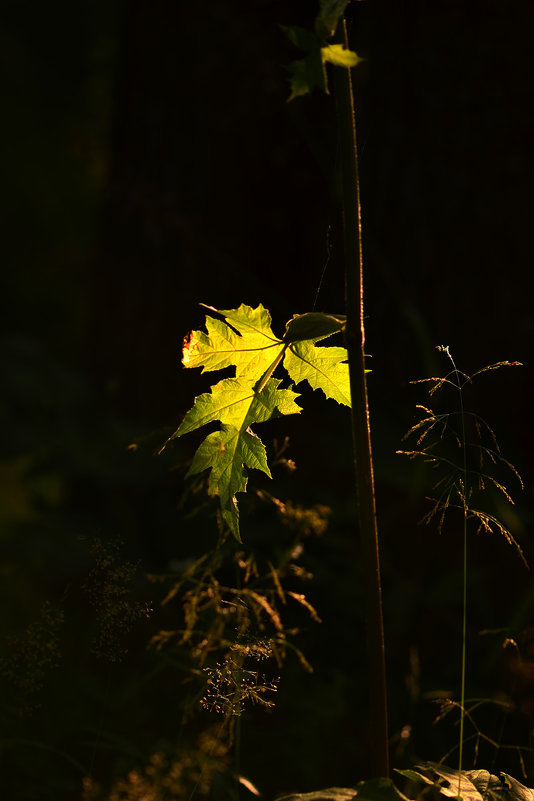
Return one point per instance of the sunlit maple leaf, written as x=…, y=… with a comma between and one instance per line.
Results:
x=227, y=452
x=244, y=340
x=251, y=347
x=323, y=368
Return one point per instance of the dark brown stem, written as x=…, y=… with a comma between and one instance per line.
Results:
x=361, y=431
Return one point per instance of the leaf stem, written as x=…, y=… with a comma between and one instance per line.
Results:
x=378, y=758
x=270, y=370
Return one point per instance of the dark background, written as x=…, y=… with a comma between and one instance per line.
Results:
x=152, y=163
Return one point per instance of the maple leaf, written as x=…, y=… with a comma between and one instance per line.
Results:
x=236, y=404
x=245, y=340
x=251, y=347
x=323, y=368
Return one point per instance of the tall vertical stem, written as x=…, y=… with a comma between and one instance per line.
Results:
x=465, y=492
x=361, y=432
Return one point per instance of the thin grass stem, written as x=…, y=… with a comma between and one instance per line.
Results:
x=465, y=495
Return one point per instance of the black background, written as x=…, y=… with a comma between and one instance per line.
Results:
x=152, y=163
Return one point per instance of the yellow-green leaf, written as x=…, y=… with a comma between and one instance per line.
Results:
x=252, y=349
x=235, y=404
x=336, y=54
x=227, y=453
x=322, y=368
x=309, y=73
x=244, y=339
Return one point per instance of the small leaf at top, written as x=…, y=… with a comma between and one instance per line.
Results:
x=339, y=56
x=330, y=12
x=310, y=72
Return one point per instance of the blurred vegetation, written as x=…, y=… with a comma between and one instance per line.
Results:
x=149, y=146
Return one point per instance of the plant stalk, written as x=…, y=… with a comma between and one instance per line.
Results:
x=464, y=581
x=361, y=433
x=464, y=640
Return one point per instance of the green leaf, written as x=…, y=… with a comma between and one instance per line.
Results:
x=322, y=368
x=252, y=349
x=235, y=404
x=247, y=320
x=413, y=776
x=337, y=55
x=244, y=340
x=227, y=452
x=309, y=73
x=313, y=325
x=330, y=12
